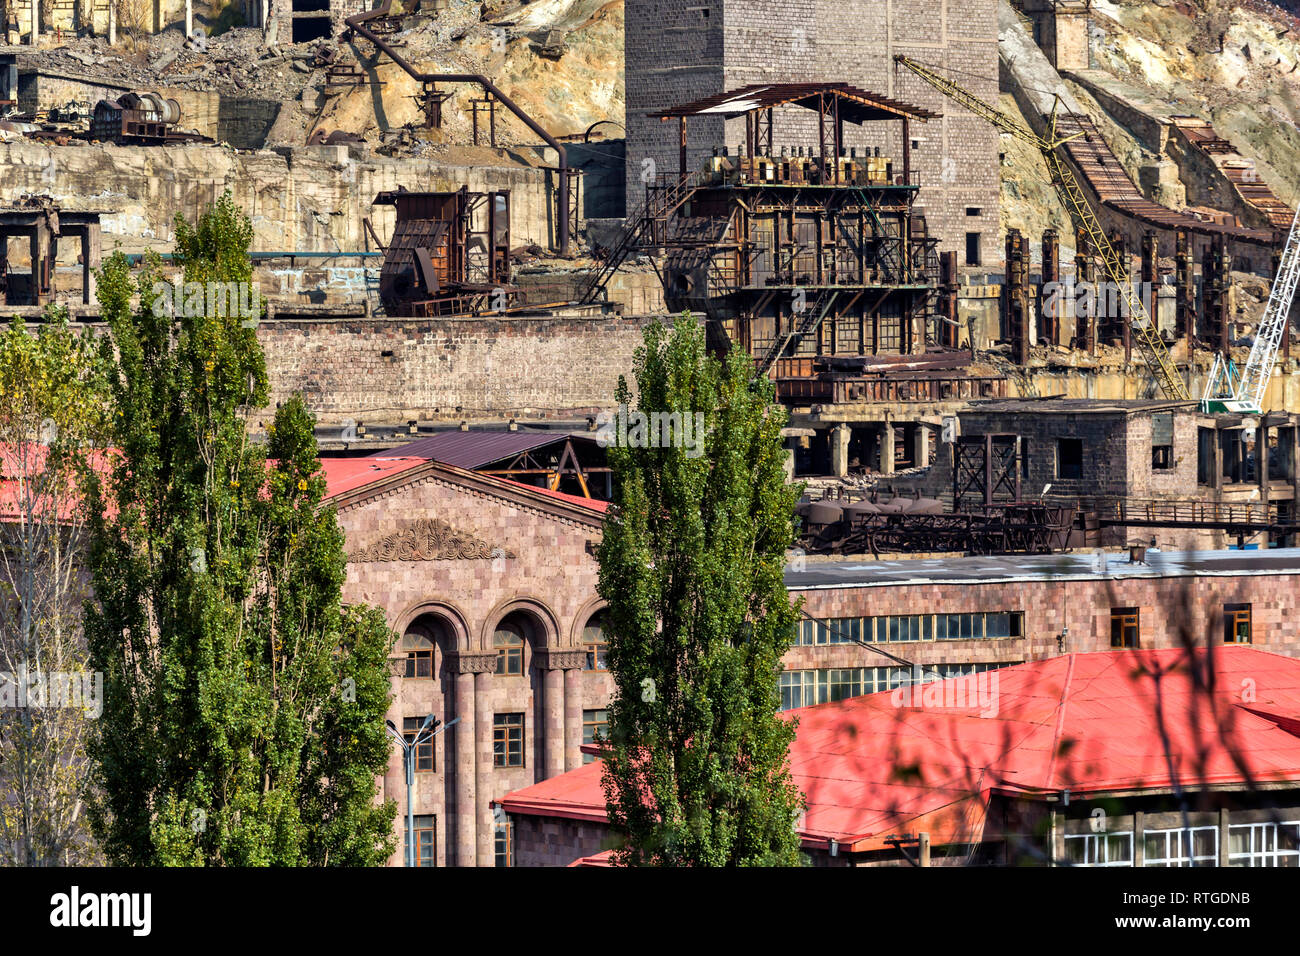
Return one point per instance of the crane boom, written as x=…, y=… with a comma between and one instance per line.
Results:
x=1152, y=347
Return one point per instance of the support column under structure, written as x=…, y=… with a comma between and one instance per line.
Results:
x=840, y=435
x=90, y=256
x=886, y=448
x=1049, y=299
x=1184, y=288
x=921, y=446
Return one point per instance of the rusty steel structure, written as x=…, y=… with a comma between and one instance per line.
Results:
x=136, y=118
x=449, y=253
x=361, y=24
x=797, y=251
x=902, y=525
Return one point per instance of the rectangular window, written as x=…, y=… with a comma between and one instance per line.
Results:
x=974, y=211
x=1069, y=459
x=1264, y=844
x=1236, y=624
x=594, y=722
x=1124, y=631
x=503, y=834
x=972, y=248
x=426, y=840
x=1198, y=846
x=1162, y=441
x=1099, y=849
x=424, y=762
x=508, y=740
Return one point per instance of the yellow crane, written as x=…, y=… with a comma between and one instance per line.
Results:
x=1073, y=198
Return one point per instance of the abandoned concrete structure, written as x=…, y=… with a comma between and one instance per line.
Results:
x=43, y=224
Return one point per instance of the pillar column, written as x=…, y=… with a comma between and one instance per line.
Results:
x=840, y=435
x=466, y=791
x=189, y=18
x=553, y=740
x=886, y=448
x=573, y=717
x=90, y=255
x=483, y=767
x=36, y=21
x=921, y=446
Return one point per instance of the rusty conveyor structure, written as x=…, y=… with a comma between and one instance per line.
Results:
x=1237, y=169
x=1102, y=172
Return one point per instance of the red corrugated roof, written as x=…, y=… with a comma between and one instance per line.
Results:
x=348, y=474
x=879, y=765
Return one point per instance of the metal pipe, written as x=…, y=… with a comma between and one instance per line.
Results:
x=355, y=23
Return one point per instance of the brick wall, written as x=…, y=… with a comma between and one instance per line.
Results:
x=1165, y=606
x=487, y=368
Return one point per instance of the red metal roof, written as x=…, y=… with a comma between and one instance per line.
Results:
x=885, y=763
x=348, y=474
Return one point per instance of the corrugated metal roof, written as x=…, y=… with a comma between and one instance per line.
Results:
x=856, y=105
x=881, y=764
x=473, y=449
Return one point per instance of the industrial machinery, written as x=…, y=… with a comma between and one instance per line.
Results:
x=1153, y=349
x=1228, y=391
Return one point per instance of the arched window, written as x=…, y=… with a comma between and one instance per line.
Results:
x=419, y=655
x=509, y=642
x=593, y=637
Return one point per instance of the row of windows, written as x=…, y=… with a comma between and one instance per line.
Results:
x=1249, y=844
x=507, y=739
x=1125, y=625
x=893, y=628
x=808, y=687
x=426, y=841
x=508, y=640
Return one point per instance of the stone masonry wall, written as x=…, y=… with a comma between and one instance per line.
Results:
x=305, y=199
x=450, y=369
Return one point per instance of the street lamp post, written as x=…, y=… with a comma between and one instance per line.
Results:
x=428, y=730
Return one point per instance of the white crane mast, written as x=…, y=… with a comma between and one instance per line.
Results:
x=1246, y=393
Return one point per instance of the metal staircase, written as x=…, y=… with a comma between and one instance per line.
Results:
x=650, y=217
x=813, y=315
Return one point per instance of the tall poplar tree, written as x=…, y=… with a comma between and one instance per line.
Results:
x=244, y=705
x=691, y=564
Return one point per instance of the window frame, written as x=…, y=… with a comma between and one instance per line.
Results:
x=410, y=726
x=1121, y=616
x=1233, y=617
x=414, y=655
x=431, y=829
x=508, y=652
x=601, y=725
x=503, y=725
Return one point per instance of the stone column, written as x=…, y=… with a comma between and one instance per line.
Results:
x=36, y=21
x=189, y=18
x=573, y=717
x=483, y=764
x=886, y=448
x=921, y=446
x=840, y=435
x=466, y=791
x=553, y=704
x=90, y=254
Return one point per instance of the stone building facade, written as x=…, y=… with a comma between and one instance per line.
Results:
x=681, y=50
x=491, y=587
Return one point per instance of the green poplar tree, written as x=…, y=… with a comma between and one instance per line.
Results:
x=244, y=706
x=691, y=564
